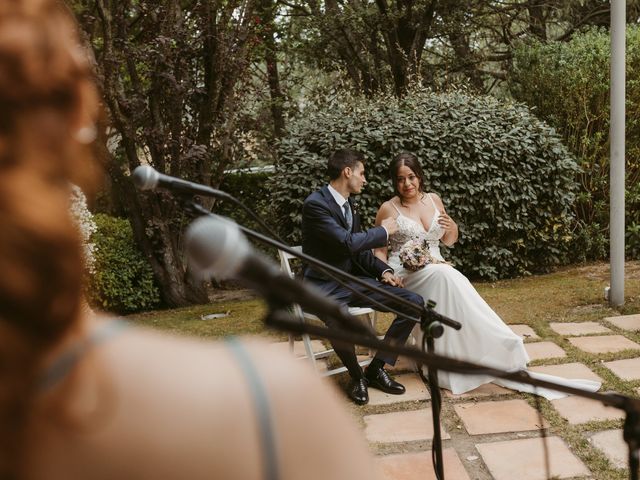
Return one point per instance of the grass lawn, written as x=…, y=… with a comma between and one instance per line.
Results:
x=571, y=294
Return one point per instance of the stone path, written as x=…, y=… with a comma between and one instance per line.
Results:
x=495, y=434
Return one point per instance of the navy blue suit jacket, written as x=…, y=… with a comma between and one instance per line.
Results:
x=325, y=237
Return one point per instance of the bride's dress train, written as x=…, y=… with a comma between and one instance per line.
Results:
x=484, y=337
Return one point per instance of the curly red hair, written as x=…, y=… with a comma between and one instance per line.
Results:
x=46, y=97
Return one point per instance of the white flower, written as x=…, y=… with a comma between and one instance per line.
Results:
x=86, y=225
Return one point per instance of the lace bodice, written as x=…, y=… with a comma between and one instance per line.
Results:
x=409, y=229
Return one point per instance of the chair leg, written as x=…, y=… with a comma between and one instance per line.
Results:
x=373, y=320
x=291, y=343
x=306, y=340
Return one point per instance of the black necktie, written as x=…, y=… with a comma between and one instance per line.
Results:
x=348, y=216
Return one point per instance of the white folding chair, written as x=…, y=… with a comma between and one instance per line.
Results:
x=371, y=315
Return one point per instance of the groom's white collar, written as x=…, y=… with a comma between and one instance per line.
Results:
x=340, y=200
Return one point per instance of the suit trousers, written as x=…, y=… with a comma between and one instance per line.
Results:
x=398, y=331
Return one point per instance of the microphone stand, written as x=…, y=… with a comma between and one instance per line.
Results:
x=282, y=319
x=431, y=324
x=432, y=329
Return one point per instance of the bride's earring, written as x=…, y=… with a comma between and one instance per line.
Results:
x=86, y=135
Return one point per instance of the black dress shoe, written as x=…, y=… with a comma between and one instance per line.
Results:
x=358, y=391
x=380, y=379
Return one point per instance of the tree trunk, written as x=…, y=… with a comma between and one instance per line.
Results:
x=151, y=215
x=537, y=19
x=168, y=83
x=267, y=15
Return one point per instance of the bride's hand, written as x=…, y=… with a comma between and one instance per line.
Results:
x=393, y=280
x=446, y=222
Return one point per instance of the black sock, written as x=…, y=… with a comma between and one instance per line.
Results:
x=376, y=364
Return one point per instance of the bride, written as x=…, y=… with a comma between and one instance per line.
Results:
x=484, y=337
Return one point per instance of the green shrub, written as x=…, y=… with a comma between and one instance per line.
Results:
x=504, y=176
x=568, y=85
x=123, y=281
x=251, y=189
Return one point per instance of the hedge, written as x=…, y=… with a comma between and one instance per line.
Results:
x=123, y=280
x=568, y=85
x=504, y=176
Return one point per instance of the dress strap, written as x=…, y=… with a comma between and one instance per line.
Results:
x=61, y=367
x=261, y=403
x=432, y=202
x=394, y=206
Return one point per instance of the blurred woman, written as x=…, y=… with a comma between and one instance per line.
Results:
x=90, y=397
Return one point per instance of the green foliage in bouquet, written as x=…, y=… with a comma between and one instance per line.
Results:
x=568, y=85
x=122, y=281
x=504, y=176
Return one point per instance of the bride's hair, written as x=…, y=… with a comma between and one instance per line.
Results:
x=48, y=104
x=405, y=159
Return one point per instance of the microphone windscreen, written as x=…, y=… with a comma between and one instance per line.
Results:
x=216, y=247
x=145, y=177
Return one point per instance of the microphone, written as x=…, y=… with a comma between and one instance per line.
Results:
x=216, y=247
x=146, y=177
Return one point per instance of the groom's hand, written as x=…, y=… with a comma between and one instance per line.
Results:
x=392, y=279
x=390, y=225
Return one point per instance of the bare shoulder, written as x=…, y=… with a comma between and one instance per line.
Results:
x=386, y=210
x=144, y=355
x=436, y=198
x=387, y=207
x=192, y=389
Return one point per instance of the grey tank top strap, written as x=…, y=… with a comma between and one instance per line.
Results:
x=63, y=365
x=261, y=404
x=394, y=206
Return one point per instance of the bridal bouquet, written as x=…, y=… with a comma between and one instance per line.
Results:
x=414, y=255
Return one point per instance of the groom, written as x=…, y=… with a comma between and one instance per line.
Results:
x=331, y=233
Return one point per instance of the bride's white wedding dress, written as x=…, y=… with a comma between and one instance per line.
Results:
x=484, y=337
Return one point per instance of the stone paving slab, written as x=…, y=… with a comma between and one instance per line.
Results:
x=482, y=391
x=524, y=459
x=578, y=328
x=499, y=416
x=524, y=331
x=611, y=443
x=628, y=369
x=568, y=370
x=626, y=322
x=603, y=344
x=540, y=350
x=578, y=410
x=416, y=390
x=418, y=466
x=403, y=426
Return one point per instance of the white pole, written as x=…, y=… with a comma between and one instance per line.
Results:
x=617, y=152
